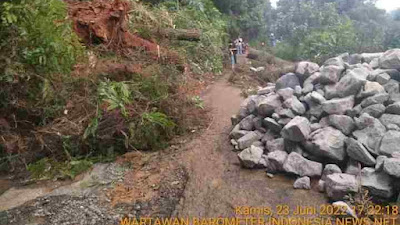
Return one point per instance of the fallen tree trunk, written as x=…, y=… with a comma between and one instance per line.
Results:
x=180, y=34
x=265, y=57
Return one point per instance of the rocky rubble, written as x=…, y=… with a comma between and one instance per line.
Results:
x=339, y=122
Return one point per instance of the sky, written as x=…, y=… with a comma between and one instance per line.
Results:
x=388, y=5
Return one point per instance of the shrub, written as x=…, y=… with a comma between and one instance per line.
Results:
x=45, y=39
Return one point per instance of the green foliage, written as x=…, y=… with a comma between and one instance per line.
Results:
x=320, y=45
x=151, y=131
x=392, y=35
x=203, y=56
x=45, y=39
x=37, y=48
x=198, y=101
x=318, y=29
x=116, y=94
x=250, y=19
x=206, y=55
x=47, y=168
x=147, y=127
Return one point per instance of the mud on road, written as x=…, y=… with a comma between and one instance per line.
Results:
x=217, y=184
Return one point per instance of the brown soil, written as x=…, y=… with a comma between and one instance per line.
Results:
x=217, y=184
x=106, y=22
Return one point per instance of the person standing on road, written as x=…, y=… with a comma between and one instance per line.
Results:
x=232, y=52
x=240, y=46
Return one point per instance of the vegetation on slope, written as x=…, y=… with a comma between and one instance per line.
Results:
x=68, y=102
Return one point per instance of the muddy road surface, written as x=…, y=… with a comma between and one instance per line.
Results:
x=217, y=184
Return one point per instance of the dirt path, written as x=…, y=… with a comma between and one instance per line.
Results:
x=217, y=184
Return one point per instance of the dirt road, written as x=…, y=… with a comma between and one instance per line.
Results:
x=217, y=184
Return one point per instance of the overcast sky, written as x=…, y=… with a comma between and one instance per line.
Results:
x=388, y=5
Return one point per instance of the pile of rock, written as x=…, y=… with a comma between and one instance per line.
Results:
x=339, y=122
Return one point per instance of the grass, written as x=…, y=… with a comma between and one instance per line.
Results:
x=46, y=169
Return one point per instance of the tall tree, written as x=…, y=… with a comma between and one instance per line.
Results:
x=248, y=18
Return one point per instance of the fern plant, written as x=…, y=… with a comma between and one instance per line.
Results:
x=116, y=94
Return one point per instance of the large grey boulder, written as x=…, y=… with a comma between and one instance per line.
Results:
x=285, y=93
x=383, y=78
x=393, y=108
x=355, y=59
x=297, y=164
x=243, y=112
x=370, y=89
x=302, y=183
x=394, y=74
x=258, y=124
x=308, y=85
x=267, y=105
x=297, y=129
x=378, y=183
x=368, y=57
x=387, y=119
x=374, y=64
x=236, y=133
x=289, y=80
x=375, y=110
x=358, y=152
x=247, y=123
x=336, y=61
x=349, y=84
x=284, y=121
x=317, y=97
x=248, y=106
x=379, y=162
x=276, y=160
x=305, y=69
x=370, y=134
x=330, y=74
x=272, y=125
x=268, y=136
x=276, y=145
x=330, y=169
x=315, y=110
x=343, y=123
x=390, y=59
x=338, y=105
x=392, y=87
x=285, y=113
x=328, y=143
x=263, y=163
x=392, y=167
x=353, y=167
x=393, y=98
x=390, y=143
x=375, y=99
x=339, y=184
x=248, y=139
x=364, y=121
x=295, y=105
x=250, y=157
x=354, y=112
